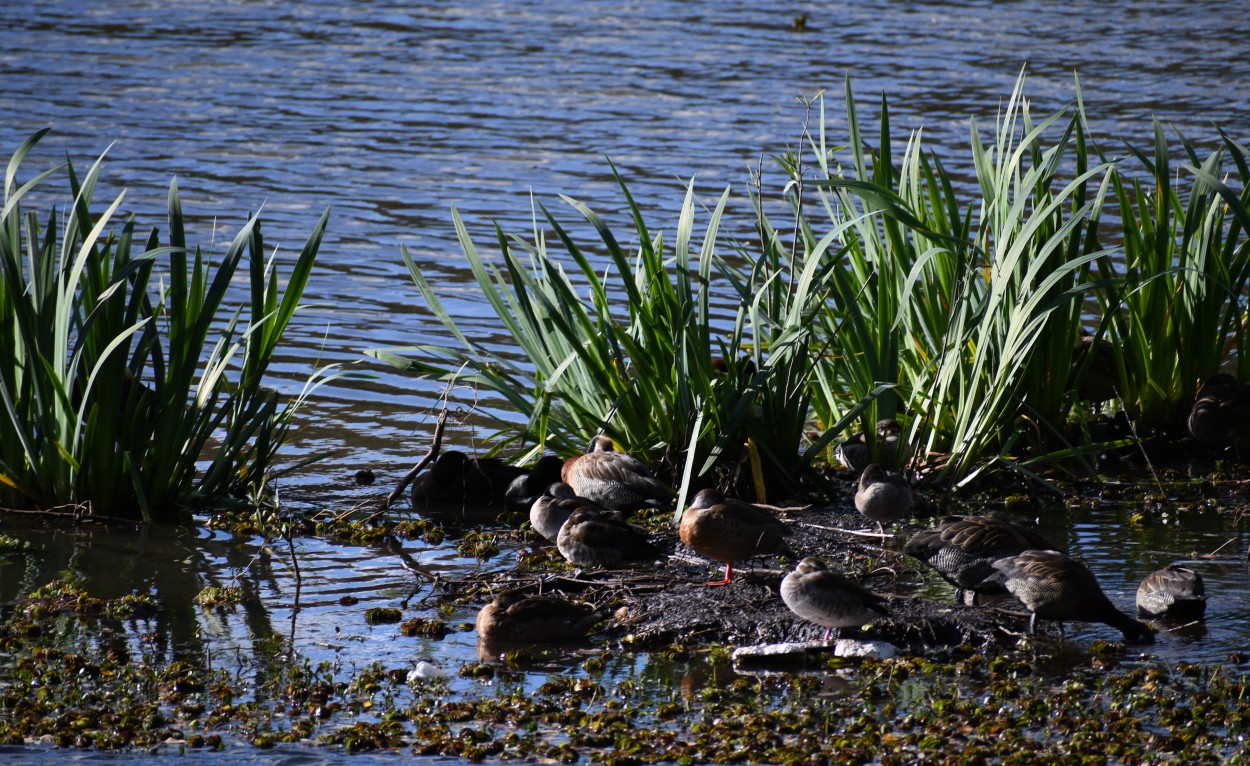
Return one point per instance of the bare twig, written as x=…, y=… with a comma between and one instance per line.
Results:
x=299, y=579
x=854, y=532
x=1132, y=427
x=286, y=530
x=80, y=512
x=1213, y=553
x=429, y=458
x=407, y=562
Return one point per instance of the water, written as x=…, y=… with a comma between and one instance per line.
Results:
x=391, y=113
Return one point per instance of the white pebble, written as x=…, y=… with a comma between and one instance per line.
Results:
x=425, y=672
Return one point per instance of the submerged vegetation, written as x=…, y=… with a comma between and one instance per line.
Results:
x=979, y=319
x=82, y=686
x=129, y=384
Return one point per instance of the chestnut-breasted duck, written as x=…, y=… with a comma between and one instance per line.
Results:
x=728, y=530
x=614, y=480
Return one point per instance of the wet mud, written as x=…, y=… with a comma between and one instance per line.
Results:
x=665, y=602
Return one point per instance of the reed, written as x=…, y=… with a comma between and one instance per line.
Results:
x=1177, y=310
x=136, y=397
x=891, y=292
x=633, y=352
x=969, y=311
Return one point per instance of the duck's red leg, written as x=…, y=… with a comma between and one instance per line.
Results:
x=729, y=576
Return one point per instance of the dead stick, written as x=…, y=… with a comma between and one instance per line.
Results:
x=855, y=532
x=429, y=457
x=82, y=512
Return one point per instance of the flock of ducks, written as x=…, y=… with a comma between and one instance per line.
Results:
x=581, y=505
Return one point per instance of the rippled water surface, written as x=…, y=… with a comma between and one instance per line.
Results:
x=391, y=113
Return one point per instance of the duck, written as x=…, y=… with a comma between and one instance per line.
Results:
x=1095, y=361
x=882, y=496
x=1174, y=592
x=531, y=485
x=549, y=512
x=740, y=372
x=596, y=537
x=513, y=617
x=819, y=595
x=1056, y=587
x=614, y=480
x=854, y=454
x=1220, y=417
x=728, y=530
x=963, y=549
x=455, y=478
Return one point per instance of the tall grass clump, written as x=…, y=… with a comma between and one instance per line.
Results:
x=1178, y=310
x=127, y=381
x=971, y=311
x=642, y=345
x=958, y=305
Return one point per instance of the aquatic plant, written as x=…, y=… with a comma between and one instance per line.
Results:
x=969, y=312
x=1178, y=309
x=120, y=391
x=893, y=291
x=650, y=359
x=66, y=688
x=975, y=312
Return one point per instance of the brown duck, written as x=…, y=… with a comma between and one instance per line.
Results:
x=457, y=479
x=1056, y=587
x=882, y=496
x=728, y=530
x=828, y=599
x=1095, y=361
x=1220, y=418
x=549, y=512
x=515, y=618
x=855, y=455
x=614, y=480
x=963, y=549
x=527, y=488
x=593, y=537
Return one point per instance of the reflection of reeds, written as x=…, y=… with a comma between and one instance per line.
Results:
x=114, y=386
x=889, y=298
